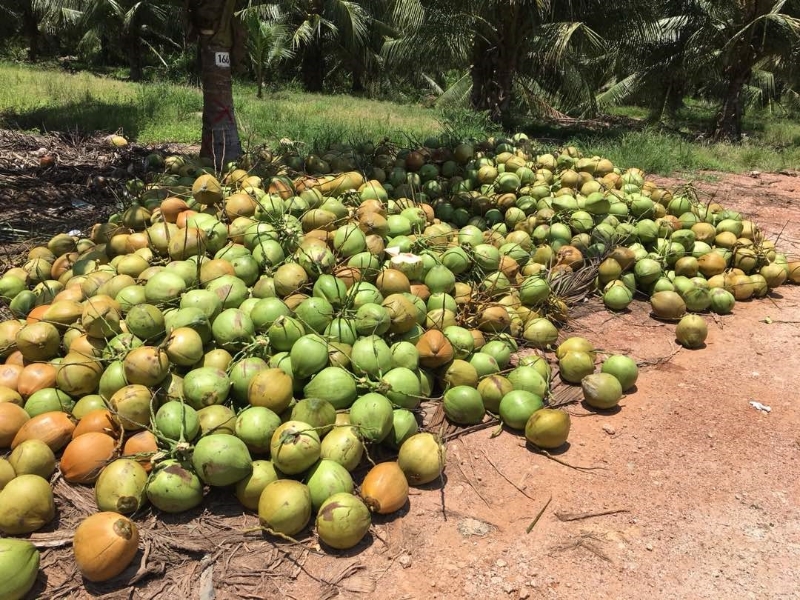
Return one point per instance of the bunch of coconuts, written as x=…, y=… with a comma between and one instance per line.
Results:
x=257, y=330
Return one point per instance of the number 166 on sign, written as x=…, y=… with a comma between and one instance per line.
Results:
x=223, y=60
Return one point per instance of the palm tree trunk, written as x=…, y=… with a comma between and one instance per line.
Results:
x=313, y=67
x=670, y=102
x=494, y=63
x=105, y=53
x=739, y=69
x=357, y=86
x=220, y=140
x=31, y=28
x=196, y=67
x=212, y=21
x=492, y=75
x=674, y=100
x=134, y=57
x=728, y=125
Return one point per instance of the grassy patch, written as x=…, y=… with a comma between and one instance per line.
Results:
x=771, y=142
x=42, y=99
x=665, y=153
x=321, y=120
x=38, y=99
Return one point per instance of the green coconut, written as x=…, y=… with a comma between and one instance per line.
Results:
x=316, y=412
x=19, y=566
x=517, y=406
x=668, y=305
x=285, y=506
x=249, y=489
x=692, y=331
x=327, y=478
x=575, y=344
x=575, y=365
x=26, y=504
x=343, y=521
x=463, y=405
x=722, y=301
x=601, y=390
x=548, y=428
x=373, y=415
x=623, y=368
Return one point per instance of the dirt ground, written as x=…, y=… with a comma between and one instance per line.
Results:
x=58, y=182
x=701, y=489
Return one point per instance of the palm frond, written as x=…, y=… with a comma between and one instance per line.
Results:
x=305, y=32
x=407, y=15
x=266, y=12
x=457, y=94
x=348, y=19
x=435, y=87
x=537, y=100
x=560, y=39
x=155, y=52
x=780, y=24
x=620, y=91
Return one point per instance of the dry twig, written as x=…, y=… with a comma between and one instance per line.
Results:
x=539, y=515
x=562, y=516
x=546, y=454
x=469, y=483
x=659, y=361
x=499, y=472
x=588, y=541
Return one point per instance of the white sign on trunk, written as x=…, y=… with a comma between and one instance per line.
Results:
x=222, y=60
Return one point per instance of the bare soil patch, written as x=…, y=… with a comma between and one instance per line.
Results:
x=53, y=182
x=60, y=182
x=690, y=491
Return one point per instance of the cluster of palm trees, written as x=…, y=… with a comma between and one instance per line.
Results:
x=136, y=32
x=505, y=57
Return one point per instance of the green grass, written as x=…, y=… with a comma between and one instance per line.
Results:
x=51, y=99
x=772, y=142
x=665, y=153
x=37, y=99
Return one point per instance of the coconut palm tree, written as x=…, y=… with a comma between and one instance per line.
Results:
x=536, y=51
x=564, y=61
x=212, y=23
x=429, y=41
x=131, y=27
x=267, y=45
x=652, y=70
x=35, y=18
x=20, y=15
x=729, y=52
x=761, y=31
x=316, y=27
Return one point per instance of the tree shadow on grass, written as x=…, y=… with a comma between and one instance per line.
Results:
x=89, y=117
x=558, y=131
x=604, y=128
